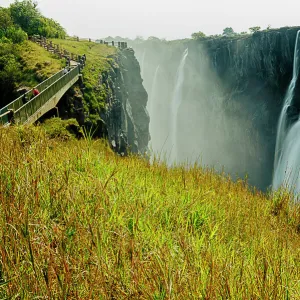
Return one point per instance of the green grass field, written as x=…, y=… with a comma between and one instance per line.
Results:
x=79, y=222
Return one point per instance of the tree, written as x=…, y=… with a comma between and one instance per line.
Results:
x=228, y=31
x=5, y=20
x=16, y=34
x=198, y=35
x=254, y=29
x=139, y=38
x=153, y=38
x=26, y=15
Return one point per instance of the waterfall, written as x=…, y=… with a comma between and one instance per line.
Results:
x=153, y=109
x=175, y=104
x=152, y=95
x=143, y=64
x=287, y=159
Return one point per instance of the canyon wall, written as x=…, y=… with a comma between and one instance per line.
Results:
x=230, y=99
x=123, y=119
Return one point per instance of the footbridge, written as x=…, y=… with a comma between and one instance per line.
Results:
x=51, y=91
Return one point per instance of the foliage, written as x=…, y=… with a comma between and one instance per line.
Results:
x=228, y=31
x=16, y=35
x=153, y=38
x=26, y=15
x=254, y=29
x=98, y=62
x=16, y=68
x=62, y=129
x=79, y=222
x=5, y=19
x=198, y=35
x=10, y=70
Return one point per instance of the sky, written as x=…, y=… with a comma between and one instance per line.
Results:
x=170, y=19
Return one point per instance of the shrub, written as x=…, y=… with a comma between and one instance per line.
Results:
x=16, y=35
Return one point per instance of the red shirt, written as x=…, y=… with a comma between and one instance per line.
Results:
x=35, y=92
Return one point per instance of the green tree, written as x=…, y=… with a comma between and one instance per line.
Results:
x=228, y=31
x=153, y=38
x=26, y=15
x=198, y=35
x=5, y=20
x=254, y=29
x=10, y=70
x=16, y=34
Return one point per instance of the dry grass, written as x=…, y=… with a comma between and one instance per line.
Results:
x=79, y=222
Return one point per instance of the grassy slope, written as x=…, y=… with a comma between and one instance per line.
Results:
x=97, y=62
x=79, y=222
x=96, y=57
x=38, y=64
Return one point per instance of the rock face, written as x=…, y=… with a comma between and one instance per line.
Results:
x=126, y=117
x=232, y=96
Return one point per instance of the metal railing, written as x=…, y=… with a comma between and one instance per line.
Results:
x=17, y=103
x=23, y=112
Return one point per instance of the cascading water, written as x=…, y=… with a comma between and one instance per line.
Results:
x=153, y=109
x=287, y=158
x=175, y=104
x=143, y=63
x=152, y=96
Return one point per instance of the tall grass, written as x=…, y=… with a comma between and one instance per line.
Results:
x=79, y=222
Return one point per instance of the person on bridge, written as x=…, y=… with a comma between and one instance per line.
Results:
x=24, y=99
x=11, y=116
x=35, y=92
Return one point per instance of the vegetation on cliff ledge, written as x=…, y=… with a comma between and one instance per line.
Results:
x=78, y=221
x=24, y=64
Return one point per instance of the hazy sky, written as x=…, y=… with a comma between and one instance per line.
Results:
x=166, y=18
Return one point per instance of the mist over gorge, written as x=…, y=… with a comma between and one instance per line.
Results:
x=219, y=105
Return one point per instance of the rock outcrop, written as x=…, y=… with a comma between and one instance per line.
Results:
x=123, y=118
x=126, y=116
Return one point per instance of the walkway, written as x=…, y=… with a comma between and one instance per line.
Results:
x=51, y=91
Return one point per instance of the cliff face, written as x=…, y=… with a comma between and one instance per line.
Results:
x=231, y=98
x=123, y=118
x=126, y=118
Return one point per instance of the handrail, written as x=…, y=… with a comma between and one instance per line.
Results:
x=4, y=117
x=17, y=103
x=23, y=113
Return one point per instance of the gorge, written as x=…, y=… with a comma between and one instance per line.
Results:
x=217, y=101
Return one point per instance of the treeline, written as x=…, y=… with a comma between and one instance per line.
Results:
x=22, y=19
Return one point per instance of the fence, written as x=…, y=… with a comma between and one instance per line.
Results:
x=21, y=113
x=31, y=107
x=16, y=104
x=120, y=45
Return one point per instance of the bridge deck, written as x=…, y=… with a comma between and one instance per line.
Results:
x=51, y=91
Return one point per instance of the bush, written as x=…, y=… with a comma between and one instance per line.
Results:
x=17, y=35
x=62, y=129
